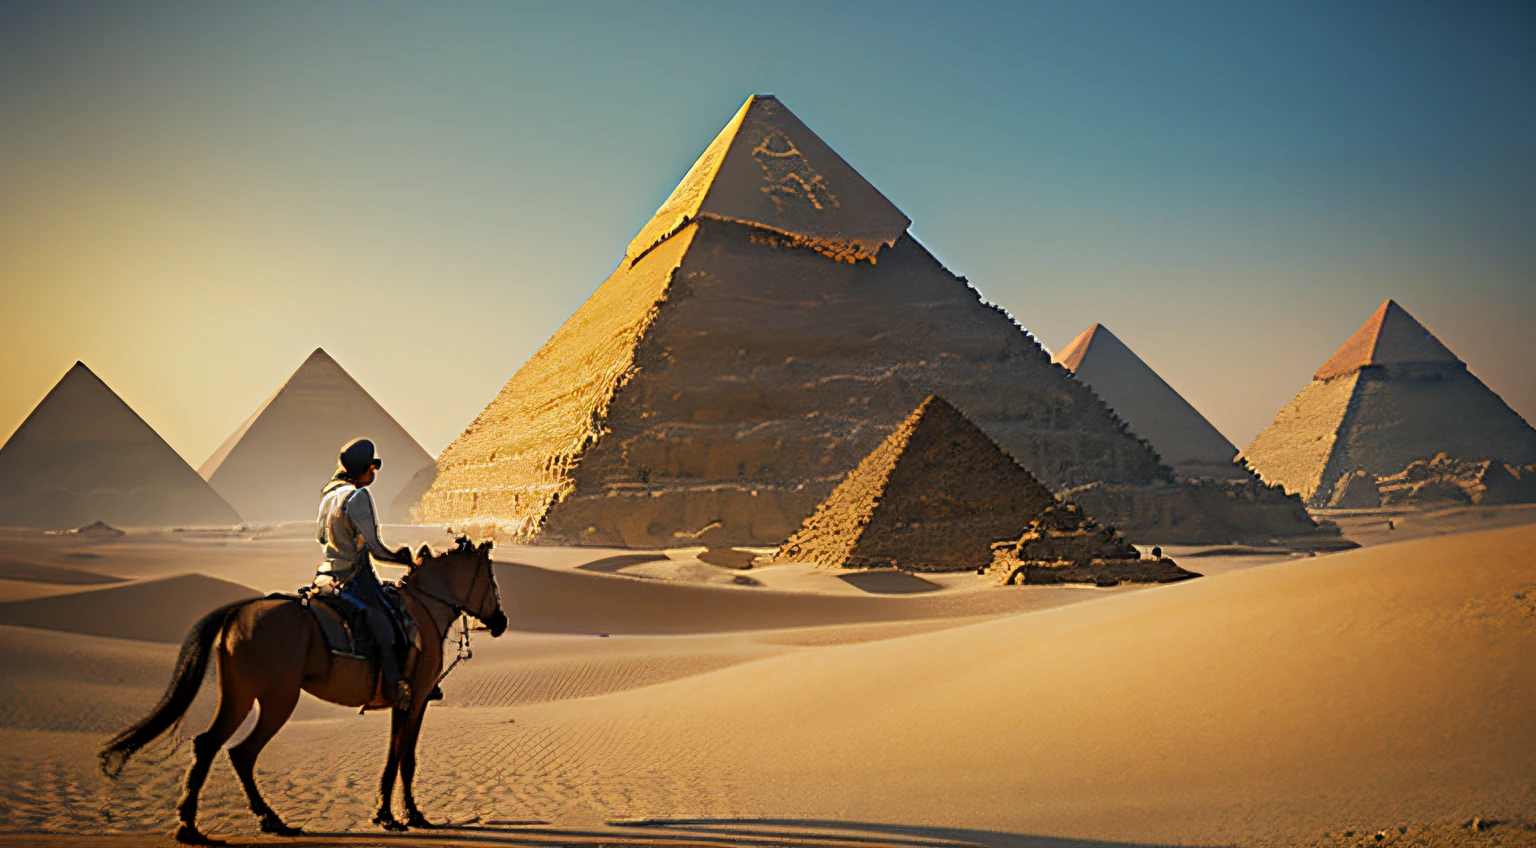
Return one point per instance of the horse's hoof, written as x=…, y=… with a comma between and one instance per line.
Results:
x=270, y=823
x=189, y=835
x=416, y=819
x=388, y=822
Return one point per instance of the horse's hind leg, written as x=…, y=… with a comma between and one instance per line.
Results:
x=234, y=706
x=276, y=706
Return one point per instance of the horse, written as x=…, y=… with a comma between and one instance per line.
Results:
x=270, y=648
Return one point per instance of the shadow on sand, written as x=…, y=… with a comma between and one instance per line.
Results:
x=706, y=833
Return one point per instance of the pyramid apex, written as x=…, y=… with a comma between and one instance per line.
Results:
x=767, y=169
x=1391, y=336
x=1071, y=356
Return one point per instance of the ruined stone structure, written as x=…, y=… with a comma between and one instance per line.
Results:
x=932, y=496
x=1446, y=481
x=83, y=455
x=273, y=466
x=1062, y=545
x=1390, y=395
x=1182, y=437
x=765, y=331
x=1355, y=491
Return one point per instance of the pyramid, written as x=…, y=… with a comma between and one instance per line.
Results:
x=765, y=331
x=933, y=496
x=1182, y=437
x=273, y=466
x=83, y=455
x=1390, y=395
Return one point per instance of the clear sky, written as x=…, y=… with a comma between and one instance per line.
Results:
x=193, y=197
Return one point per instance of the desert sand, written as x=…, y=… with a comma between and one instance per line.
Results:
x=650, y=698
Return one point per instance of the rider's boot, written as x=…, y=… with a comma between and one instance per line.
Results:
x=396, y=689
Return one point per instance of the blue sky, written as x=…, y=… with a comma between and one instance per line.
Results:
x=194, y=197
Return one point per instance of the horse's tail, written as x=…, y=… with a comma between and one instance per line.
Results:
x=191, y=665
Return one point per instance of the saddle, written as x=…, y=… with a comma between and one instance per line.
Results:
x=345, y=625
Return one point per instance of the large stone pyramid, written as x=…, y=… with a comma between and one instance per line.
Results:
x=83, y=455
x=273, y=466
x=764, y=332
x=1182, y=437
x=933, y=496
x=1390, y=395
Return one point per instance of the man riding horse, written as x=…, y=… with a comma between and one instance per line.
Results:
x=348, y=529
x=270, y=649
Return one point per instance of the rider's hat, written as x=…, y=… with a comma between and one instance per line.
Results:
x=357, y=457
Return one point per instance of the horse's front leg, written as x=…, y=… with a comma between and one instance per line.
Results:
x=408, y=738
x=385, y=816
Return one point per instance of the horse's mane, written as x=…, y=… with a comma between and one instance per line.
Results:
x=461, y=544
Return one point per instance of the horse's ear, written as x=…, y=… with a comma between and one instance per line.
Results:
x=486, y=546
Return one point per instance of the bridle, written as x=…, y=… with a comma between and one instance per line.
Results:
x=458, y=608
x=460, y=614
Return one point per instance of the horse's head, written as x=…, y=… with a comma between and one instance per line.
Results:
x=463, y=578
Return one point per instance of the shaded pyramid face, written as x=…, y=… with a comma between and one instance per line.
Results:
x=933, y=496
x=1182, y=437
x=273, y=466
x=83, y=455
x=767, y=329
x=1390, y=395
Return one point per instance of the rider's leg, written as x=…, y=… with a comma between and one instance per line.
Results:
x=365, y=591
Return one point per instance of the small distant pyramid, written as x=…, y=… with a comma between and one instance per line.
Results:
x=1391, y=395
x=273, y=466
x=84, y=456
x=1183, y=437
x=933, y=496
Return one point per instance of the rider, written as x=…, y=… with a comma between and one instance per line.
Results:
x=348, y=528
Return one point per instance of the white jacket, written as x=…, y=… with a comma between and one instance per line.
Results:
x=348, y=529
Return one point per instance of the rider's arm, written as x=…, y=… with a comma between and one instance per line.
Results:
x=360, y=510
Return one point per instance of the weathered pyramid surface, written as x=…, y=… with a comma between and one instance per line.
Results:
x=83, y=455
x=1178, y=432
x=757, y=341
x=273, y=466
x=933, y=496
x=1390, y=395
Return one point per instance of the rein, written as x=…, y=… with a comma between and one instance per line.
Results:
x=461, y=615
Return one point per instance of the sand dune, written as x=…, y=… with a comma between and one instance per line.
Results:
x=37, y=572
x=1373, y=687
x=573, y=601
x=1280, y=700
x=158, y=610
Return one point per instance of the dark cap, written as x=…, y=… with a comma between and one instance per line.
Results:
x=357, y=457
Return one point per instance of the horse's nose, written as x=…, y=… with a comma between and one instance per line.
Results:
x=498, y=624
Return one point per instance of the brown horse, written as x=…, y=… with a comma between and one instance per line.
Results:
x=271, y=648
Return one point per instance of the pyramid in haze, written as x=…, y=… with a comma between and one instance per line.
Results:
x=770, y=325
x=273, y=466
x=83, y=455
x=1390, y=395
x=1182, y=437
x=933, y=496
